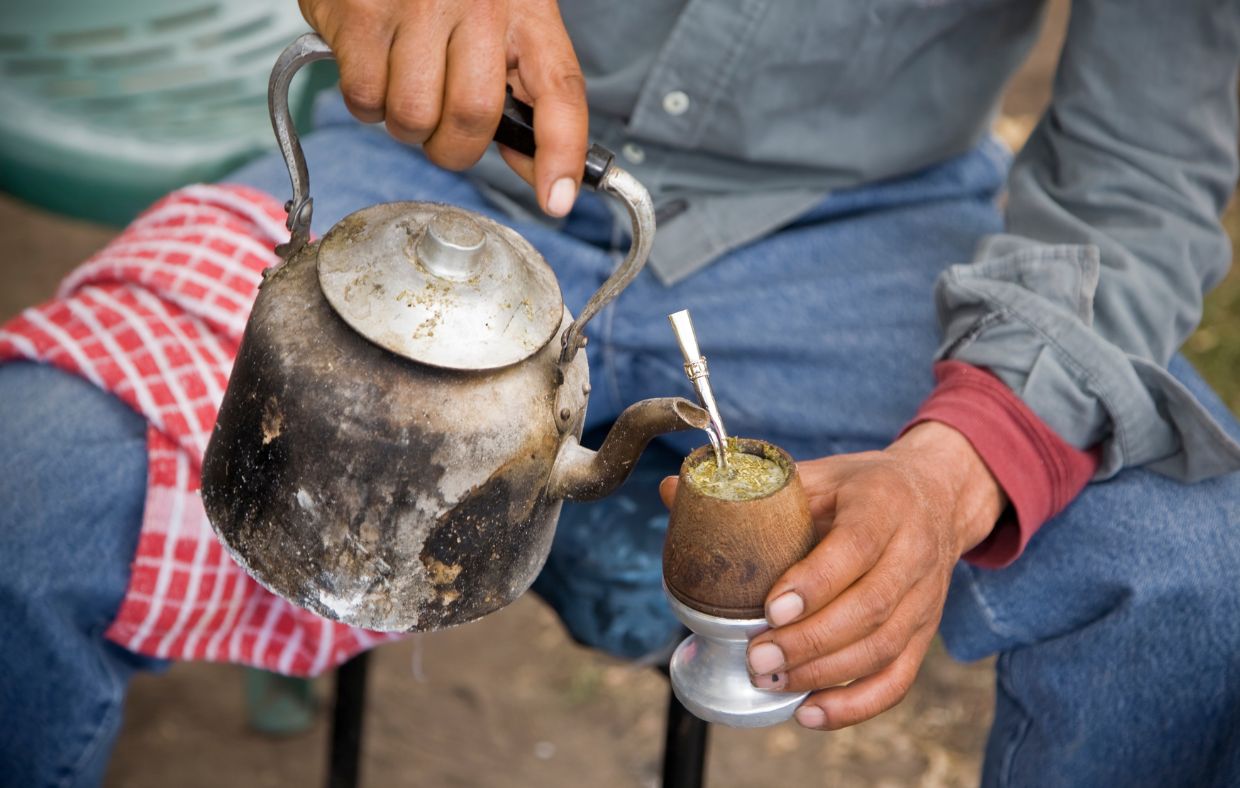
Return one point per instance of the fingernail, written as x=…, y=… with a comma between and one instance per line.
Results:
x=773, y=681
x=563, y=193
x=765, y=658
x=785, y=608
x=811, y=716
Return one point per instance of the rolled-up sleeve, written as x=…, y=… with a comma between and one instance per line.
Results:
x=1113, y=237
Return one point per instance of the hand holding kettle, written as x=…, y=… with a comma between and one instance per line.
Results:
x=435, y=71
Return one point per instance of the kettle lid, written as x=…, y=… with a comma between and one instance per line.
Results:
x=440, y=285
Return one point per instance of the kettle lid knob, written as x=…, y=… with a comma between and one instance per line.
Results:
x=451, y=246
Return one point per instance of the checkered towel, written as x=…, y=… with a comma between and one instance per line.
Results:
x=156, y=318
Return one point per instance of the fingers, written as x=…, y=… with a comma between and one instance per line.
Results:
x=434, y=74
x=550, y=73
x=435, y=71
x=473, y=93
x=416, y=67
x=849, y=550
x=667, y=490
x=822, y=477
x=815, y=666
x=839, y=707
x=361, y=42
x=521, y=164
x=860, y=611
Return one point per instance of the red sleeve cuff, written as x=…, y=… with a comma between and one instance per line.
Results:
x=1038, y=470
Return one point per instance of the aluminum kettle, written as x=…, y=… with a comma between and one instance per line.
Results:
x=402, y=421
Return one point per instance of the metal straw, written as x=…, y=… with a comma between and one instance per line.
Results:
x=695, y=369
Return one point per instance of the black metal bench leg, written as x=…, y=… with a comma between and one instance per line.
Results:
x=346, y=733
x=684, y=749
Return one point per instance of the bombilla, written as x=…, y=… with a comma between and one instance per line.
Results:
x=695, y=369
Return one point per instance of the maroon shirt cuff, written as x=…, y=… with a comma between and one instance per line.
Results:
x=1038, y=470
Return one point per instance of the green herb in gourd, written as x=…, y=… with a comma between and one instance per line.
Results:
x=745, y=478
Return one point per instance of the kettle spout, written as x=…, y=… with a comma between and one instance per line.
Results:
x=580, y=474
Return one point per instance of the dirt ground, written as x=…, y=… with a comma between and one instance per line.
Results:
x=509, y=701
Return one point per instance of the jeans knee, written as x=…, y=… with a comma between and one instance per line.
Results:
x=73, y=482
x=1193, y=550
x=1199, y=596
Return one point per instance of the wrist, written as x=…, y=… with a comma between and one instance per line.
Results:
x=954, y=469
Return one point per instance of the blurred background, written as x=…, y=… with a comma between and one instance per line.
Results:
x=508, y=701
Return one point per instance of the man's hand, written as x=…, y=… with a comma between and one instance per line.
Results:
x=435, y=72
x=862, y=608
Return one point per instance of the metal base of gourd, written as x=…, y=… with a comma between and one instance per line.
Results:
x=709, y=676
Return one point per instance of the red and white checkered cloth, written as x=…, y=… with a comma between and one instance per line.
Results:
x=156, y=318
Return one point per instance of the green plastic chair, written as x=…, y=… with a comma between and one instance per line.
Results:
x=105, y=106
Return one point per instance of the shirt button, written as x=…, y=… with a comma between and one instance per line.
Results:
x=633, y=152
x=676, y=102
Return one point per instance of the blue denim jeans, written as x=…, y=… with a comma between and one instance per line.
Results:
x=1118, y=640
x=72, y=482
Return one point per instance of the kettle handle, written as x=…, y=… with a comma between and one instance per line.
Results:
x=306, y=49
x=515, y=130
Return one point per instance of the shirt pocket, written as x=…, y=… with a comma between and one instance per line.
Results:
x=802, y=33
x=843, y=48
x=900, y=30
x=805, y=54
x=857, y=44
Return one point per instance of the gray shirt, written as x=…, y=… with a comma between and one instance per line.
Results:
x=739, y=115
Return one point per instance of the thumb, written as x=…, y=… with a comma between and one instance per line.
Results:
x=822, y=480
x=549, y=71
x=667, y=490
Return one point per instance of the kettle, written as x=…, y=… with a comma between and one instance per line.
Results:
x=402, y=421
